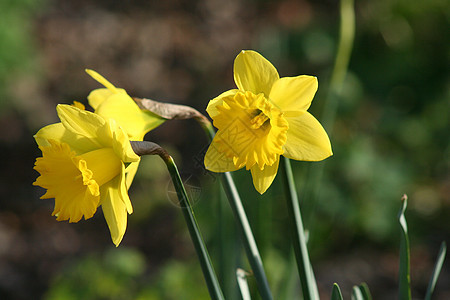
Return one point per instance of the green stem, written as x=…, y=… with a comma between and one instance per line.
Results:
x=246, y=232
x=346, y=37
x=148, y=148
x=200, y=247
x=298, y=234
x=250, y=246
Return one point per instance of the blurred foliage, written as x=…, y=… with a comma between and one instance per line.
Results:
x=120, y=274
x=390, y=137
x=18, y=54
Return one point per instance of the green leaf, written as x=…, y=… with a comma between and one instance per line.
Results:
x=404, y=291
x=365, y=291
x=336, y=293
x=436, y=271
x=307, y=281
x=241, y=276
x=199, y=245
x=357, y=294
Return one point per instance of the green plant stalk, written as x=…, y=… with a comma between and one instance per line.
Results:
x=308, y=285
x=404, y=290
x=249, y=242
x=246, y=232
x=436, y=271
x=346, y=37
x=336, y=293
x=205, y=261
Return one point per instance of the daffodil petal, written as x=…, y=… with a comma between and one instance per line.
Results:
x=126, y=113
x=57, y=132
x=130, y=172
x=211, y=109
x=294, y=93
x=254, y=73
x=79, y=121
x=123, y=190
x=114, y=210
x=306, y=139
x=102, y=80
x=262, y=179
x=217, y=161
x=96, y=97
x=120, y=142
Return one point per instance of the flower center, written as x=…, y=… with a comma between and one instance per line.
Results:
x=259, y=120
x=251, y=130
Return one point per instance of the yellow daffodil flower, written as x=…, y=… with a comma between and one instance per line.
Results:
x=83, y=166
x=114, y=103
x=265, y=117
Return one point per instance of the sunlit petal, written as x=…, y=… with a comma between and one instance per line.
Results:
x=254, y=73
x=217, y=161
x=211, y=109
x=306, y=139
x=79, y=121
x=114, y=210
x=294, y=93
x=127, y=114
x=262, y=179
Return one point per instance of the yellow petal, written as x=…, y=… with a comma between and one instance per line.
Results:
x=128, y=115
x=79, y=144
x=217, y=161
x=294, y=93
x=102, y=80
x=254, y=73
x=123, y=190
x=211, y=109
x=96, y=97
x=130, y=172
x=78, y=121
x=114, y=210
x=306, y=139
x=120, y=143
x=262, y=179
x=104, y=164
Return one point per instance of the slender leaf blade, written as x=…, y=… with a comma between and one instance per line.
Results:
x=336, y=293
x=404, y=291
x=436, y=271
x=357, y=294
x=241, y=276
x=365, y=291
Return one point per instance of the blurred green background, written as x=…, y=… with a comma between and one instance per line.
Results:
x=390, y=137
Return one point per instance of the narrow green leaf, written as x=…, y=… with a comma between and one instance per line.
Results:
x=357, y=294
x=336, y=293
x=241, y=276
x=199, y=245
x=248, y=239
x=365, y=291
x=436, y=271
x=404, y=291
x=240, y=216
x=307, y=281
